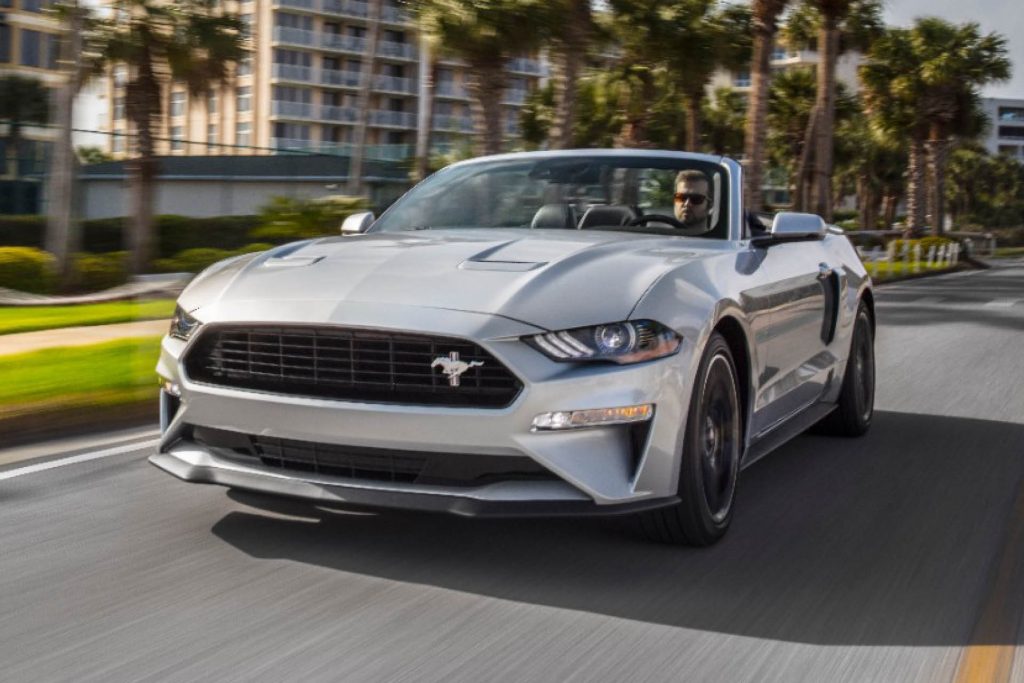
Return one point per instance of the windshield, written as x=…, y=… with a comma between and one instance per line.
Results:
x=634, y=194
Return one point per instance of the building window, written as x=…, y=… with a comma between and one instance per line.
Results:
x=741, y=79
x=120, y=75
x=178, y=103
x=1011, y=114
x=118, y=108
x=176, y=139
x=30, y=41
x=242, y=133
x=118, y=143
x=5, y=43
x=32, y=5
x=246, y=20
x=244, y=98
x=52, y=51
x=245, y=67
x=211, y=134
x=291, y=131
x=211, y=103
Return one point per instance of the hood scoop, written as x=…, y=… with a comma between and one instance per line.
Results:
x=507, y=266
x=291, y=261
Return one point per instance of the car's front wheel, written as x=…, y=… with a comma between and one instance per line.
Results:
x=712, y=448
x=856, y=404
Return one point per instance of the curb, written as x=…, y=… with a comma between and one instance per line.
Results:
x=75, y=421
x=920, y=276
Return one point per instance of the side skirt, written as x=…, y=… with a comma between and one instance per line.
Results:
x=793, y=427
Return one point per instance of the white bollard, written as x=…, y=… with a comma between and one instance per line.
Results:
x=876, y=256
x=956, y=253
x=917, y=257
x=942, y=255
x=931, y=256
x=890, y=252
x=992, y=247
x=906, y=257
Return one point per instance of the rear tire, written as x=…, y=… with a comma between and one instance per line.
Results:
x=856, y=405
x=709, y=465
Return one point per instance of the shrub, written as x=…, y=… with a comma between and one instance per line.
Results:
x=22, y=231
x=195, y=260
x=285, y=219
x=96, y=272
x=27, y=270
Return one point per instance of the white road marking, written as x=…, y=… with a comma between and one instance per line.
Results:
x=1002, y=303
x=75, y=459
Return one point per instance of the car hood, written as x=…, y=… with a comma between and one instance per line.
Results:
x=551, y=279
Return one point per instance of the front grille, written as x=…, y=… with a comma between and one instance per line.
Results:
x=343, y=364
x=374, y=464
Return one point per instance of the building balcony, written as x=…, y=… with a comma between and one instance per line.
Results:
x=452, y=90
x=392, y=119
x=389, y=48
x=340, y=114
x=340, y=77
x=291, y=144
x=293, y=110
x=294, y=36
x=342, y=42
x=292, y=72
x=346, y=8
x=296, y=4
x=453, y=124
x=394, y=84
x=515, y=96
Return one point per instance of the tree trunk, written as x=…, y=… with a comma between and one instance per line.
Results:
x=937, y=149
x=889, y=205
x=570, y=55
x=426, y=123
x=915, y=186
x=756, y=130
x=144, y=110
x=487, y=88
x=693, y=107
x=804, y=175
x=63, y=239
x=355, y=164
x=825, y=103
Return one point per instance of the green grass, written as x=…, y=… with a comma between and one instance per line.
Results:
x=32, y=318
x=1007, y=252
x=886, y=270
x=112, y=373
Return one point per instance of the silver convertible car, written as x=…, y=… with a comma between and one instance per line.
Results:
x=551, y=333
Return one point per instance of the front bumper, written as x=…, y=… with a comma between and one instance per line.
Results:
x=597, y=470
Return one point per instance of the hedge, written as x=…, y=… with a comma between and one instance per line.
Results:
x=105, y=235
x=27, y=270
x=96, y=272
x=195, y=260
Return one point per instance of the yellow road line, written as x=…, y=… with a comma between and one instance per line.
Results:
x=989, y=657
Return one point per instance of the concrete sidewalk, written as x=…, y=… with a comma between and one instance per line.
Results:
x=24, y=342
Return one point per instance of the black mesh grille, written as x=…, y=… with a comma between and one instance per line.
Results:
x=343, y=364
x=375, y=464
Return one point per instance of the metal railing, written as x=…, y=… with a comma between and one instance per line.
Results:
x=293, y=72
x=393, y=119
x=343, y=42
x=343, y=114
x=294, y=36
x=394, y=84
x=349, y=79
x=454, y=90
x=458, y=124
x=301, y=110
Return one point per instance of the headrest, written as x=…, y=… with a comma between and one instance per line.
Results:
x=607, y=214
x=554, y=216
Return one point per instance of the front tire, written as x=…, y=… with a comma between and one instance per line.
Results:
x=709, y=466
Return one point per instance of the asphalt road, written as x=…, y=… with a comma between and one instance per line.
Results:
x=895, y=557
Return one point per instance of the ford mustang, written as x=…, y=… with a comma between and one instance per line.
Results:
x=549, y=333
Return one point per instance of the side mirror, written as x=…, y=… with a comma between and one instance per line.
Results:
x=793, y=227
x=357, y=223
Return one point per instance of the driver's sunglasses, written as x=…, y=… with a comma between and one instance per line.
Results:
x=694, y=198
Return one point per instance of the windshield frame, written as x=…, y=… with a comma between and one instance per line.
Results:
x=730, y=201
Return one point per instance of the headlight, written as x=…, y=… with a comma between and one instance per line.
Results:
x=625, y=342
x=183, y=325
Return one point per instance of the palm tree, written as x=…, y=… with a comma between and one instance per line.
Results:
x=724, y=115
x=486, y=34
x=369, y=66
x=839, y=26
x=188, y=41
x=765, y=26
x=22, y=101
x=572, y=30
x=923, y=82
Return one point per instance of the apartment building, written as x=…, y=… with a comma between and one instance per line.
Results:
x=29, y=47
x=1006, y=126
x=783, y=59
x=298, y=89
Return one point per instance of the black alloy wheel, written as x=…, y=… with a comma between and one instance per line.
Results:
x=709, y=463
x=856, y=404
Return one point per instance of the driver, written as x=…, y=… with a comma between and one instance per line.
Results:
x=692, y=201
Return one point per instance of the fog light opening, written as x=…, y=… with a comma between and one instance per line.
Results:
x=172, y=388
x=596, y=417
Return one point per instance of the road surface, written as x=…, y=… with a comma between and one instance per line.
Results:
x=896, y=557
